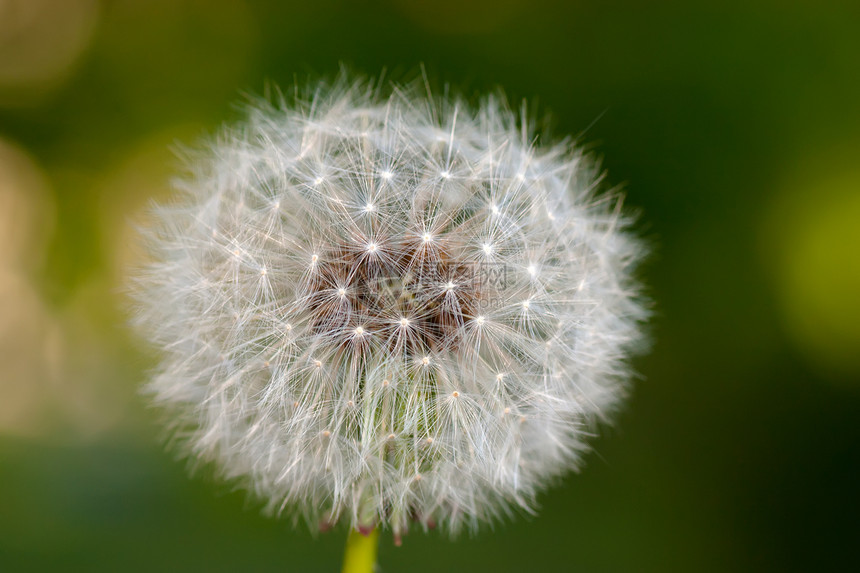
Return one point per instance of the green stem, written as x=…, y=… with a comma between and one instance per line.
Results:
x=360, y=555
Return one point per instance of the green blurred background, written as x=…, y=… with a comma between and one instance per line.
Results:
x=733, y=126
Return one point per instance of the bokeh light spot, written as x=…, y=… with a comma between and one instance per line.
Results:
x=40, y=43
x=814, y=240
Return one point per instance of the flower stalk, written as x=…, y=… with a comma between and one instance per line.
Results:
x=360, y=554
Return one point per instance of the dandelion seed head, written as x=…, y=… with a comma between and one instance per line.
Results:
x=396, y=345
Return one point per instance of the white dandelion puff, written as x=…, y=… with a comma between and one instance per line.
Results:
x=379, y=309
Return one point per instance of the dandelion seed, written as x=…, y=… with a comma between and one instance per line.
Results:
x=369, y=351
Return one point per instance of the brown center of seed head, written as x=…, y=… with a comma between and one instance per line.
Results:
x=409, y=300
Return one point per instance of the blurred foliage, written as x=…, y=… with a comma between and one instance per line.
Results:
x=734, y=127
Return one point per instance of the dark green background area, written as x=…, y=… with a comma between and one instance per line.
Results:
x=739, y=448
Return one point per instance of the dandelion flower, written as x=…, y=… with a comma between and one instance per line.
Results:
x=389, y=309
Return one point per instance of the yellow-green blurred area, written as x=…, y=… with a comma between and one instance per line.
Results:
x=733, y=126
